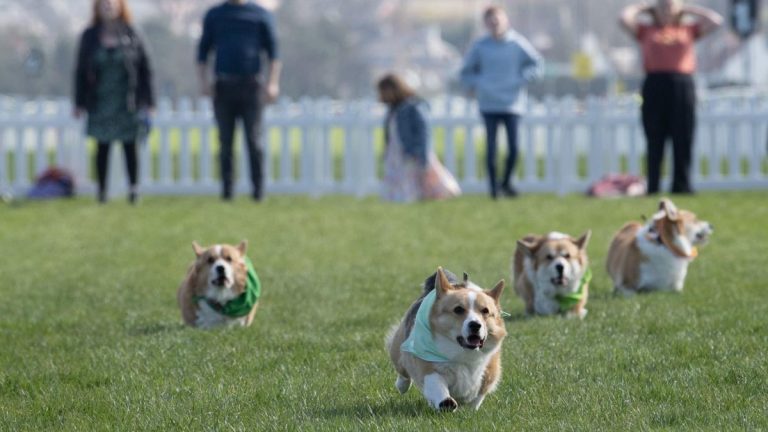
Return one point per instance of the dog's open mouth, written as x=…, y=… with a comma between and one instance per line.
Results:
x=559, y=280
x=220, y=281
x=472, y=342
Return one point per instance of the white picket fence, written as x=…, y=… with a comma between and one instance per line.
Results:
x=328, y=147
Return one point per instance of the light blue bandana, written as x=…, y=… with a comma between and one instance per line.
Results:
x=420, y=342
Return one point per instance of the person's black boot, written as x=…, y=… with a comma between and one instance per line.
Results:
x=133, y=196
x=226, y=193
x=509, y=191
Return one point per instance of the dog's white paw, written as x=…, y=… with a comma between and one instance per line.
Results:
x=624, y=292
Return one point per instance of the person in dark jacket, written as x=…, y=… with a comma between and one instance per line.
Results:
x=113, y=86
x=411, y=168
x=240, y=33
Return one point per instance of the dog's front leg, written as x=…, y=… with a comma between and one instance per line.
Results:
x=475, y=404
x=436, y=391
x=402, y=384
x=619, y=289
x=544, y=302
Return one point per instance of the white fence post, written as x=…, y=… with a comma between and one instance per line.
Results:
x=561, y=134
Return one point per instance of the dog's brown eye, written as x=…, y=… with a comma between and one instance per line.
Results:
x=550, y=257
x=485, y=311
x=567, y=256
x=211, y=260
x=229, y=259
x=458, y=310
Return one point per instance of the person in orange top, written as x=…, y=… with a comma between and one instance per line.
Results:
x=666, y=32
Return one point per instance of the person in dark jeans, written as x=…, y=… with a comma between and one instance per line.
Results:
x=113, y=86
x=492, y=120
x=666, y=32
x=497, y=69
x=240, y=32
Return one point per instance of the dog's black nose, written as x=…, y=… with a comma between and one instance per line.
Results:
x=219, y=269
x=474, y=326
x=559, y=267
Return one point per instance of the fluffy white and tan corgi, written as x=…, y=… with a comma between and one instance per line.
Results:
x=552, y=275
x=221, y=287
x=449, y=342
x=655, y=255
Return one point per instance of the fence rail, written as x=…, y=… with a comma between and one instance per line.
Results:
x=327, y=147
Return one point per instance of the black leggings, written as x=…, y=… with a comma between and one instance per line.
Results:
x=102, y=163
x=669, y=111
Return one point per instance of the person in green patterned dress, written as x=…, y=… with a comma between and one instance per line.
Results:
x=113, y=86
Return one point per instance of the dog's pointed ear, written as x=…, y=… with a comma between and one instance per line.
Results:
x=242, y=247
x=197, y=248
x=582, y=241
x=527, y=246
x=667, y=206
x=466, y=277
x=442, y=284
x=495, y=293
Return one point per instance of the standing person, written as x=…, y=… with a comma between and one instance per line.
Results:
x=496, y=69
x=113, y=85
x=240, y=32
x=669, y=95
x=411, y=168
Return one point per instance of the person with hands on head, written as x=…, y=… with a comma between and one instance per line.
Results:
x=666, y=31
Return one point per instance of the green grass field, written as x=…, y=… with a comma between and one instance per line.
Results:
x=91, y=339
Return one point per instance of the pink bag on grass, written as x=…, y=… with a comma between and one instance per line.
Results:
x=618, y=185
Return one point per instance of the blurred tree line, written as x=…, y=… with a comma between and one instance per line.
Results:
x=323, y=43
x=321, y=55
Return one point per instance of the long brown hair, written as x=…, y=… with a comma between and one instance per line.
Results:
x=398, y=88
x=124, y=16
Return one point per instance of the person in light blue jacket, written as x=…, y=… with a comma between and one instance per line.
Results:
x=496, y=70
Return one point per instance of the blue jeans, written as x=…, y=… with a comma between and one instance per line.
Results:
x=492, y=121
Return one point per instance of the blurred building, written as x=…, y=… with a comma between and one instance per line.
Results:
x=421, y=56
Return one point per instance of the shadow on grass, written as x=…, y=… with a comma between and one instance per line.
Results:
x=394, y=407
x=154, y=329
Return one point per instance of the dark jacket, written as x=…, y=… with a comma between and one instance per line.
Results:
x=240, y=34
x=412, y=128
x=140, y=93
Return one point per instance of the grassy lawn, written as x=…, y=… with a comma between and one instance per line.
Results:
x=91, y=339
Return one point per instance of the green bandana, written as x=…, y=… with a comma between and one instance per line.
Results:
x=241, y=305
x=567, y=301
x=420, y=342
